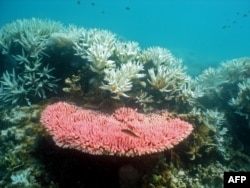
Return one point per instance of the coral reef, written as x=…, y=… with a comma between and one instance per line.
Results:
x=25, y=41
x=43, y=62
x=18, y=135
x=242, y=100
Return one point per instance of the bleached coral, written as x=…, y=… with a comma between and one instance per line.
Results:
x=65, y=38
x=125, y=51
x=40, y=81
x=167, y=75
x=97, y=47
x=12, y=90
x=21, y=178
x=235, y=70
x=214, y=119
x=26, y=41
x=34, y=80
x=119, y=81
x=242, y=101
x=98, y=55
x=210, y=80
x=144, y=100
x=98, y=36
x=108, y=57
x=229, y=72
x=189, y=93
x=30, y=34
x=164, y=78
x=170, y=80
x=158, y=56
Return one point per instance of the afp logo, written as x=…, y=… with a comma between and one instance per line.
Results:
x=237, y=179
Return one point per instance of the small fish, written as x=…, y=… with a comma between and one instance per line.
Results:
x=130, y=133
x=92, y=4
x=226, y=27
x=127, y=8
x=78, y=2
x=244, y=15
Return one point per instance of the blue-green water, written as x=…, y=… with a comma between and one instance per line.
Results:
x=96, y=70
x=203, y=33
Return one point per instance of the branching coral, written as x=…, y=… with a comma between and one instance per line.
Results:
x=144, y=100
x=158, y=56
x=242, y=101
x=98, y=55
x=33, y=82
x=37, y=52
x=189, y=92
x=119, y=81
x=214, y=119
x=97, y=47
x=164, y=78
x=114, y=61
x=127, y=51
x=209, y=81
x=212, y=80
x=30, y=34
x=65, y=38
x=12, y=89
x=26, y=40
x=235, y=70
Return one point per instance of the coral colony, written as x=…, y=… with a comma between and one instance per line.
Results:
x=97, y=95
x=123, y=133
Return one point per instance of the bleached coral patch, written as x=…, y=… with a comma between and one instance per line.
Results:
x=242, y=101
x=119, y=81
x=21, y=178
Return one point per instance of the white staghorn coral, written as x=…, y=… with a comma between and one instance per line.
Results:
x=30, y=34
x=235, y=70
x=230, y=72
x=166, y=78
x=98, y=36
x=119, y=81
x=158, y=56
x=98, y=55
x=97, y=46
x=91, y=37
x=125, y=51
x=34, y=80
x=33, y=43
x=209, y=81
x=144, y=100
x=65, y=38
x=214, y=118
x=12, y=89
x=188, y=93
x=242, y=101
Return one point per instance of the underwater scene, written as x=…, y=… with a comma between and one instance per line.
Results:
x=123, y=93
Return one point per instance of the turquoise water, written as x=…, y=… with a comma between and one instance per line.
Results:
x=202, y=33
x=97, y=73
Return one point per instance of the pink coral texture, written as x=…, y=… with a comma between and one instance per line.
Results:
x=123, y=133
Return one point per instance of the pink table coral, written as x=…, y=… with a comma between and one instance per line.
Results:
x=124, y=133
